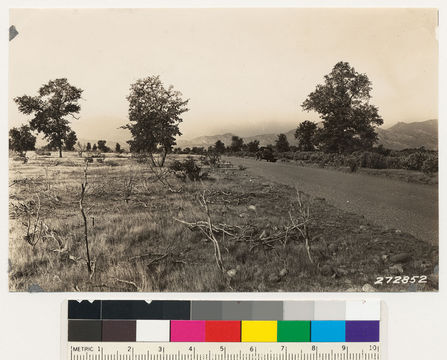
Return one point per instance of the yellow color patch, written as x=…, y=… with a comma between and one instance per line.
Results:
x=259, y=331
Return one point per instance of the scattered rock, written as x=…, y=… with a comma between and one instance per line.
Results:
x=397, y=231
x=326, y=270
x=363, y=227
x=368, y=288
x=274, y=278
x=35, y=288
x=232, y=272
x=400, y=258
x=332, y=247
x=258, y=271
x=283, y=272
x=384, y=257
x=396, y=269
x=252, y=208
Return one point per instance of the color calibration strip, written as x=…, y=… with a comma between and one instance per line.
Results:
x=223, y=321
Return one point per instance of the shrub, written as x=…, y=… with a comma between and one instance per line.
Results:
x=188, y=169
x=111, y=163
x=353, y=163
x=42, y=152
x=302, y=155
x=430, y=165
x=414, y=161
x=372, y=160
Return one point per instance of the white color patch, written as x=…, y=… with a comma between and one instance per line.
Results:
x=363, y=310
x=153, y=330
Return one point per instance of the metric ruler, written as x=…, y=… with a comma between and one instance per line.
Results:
x=222, y=351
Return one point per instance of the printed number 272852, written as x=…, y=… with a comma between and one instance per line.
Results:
x=383, y=280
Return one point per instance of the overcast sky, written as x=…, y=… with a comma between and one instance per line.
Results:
x=245, y=71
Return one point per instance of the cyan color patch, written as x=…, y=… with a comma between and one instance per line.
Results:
x=328, y=331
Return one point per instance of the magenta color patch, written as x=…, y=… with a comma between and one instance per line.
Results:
x=187, y=330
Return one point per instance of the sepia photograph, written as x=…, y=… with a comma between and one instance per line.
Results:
x=223, y=150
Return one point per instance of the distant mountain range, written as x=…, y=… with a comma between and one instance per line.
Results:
x=410, y=135
x=397, y=137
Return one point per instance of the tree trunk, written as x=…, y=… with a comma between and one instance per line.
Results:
x=60, y=151
x=151, y=157
x=163, y=157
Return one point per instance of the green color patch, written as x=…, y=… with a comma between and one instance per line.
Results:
x=293, y=331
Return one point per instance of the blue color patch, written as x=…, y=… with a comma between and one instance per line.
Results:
x=327, y=331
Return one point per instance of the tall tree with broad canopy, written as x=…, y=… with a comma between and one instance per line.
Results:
x=305, y=134
x=282, y=144
x=253, y=146
x=70, y=141
x=54, y=103
x=219, y=146
x=155, y=114
x=349, y=120
x=21, y=140
x=236, y=143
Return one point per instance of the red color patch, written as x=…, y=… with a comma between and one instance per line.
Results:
x=220, y=331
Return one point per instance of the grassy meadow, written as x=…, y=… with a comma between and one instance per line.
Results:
x=139, y=237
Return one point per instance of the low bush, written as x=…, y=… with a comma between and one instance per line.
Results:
x=414, y=161
x=111, y=163
x=42, y=152
x=353, y=163
x=188, y=169
x=372, y=160
x=430, y=165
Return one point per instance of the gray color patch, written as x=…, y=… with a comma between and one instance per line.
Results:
x=267, y=310
x=237, y=310
x=206, y=310
x=299, y=310
x=330, y=310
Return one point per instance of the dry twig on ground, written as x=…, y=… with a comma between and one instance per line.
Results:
x=161, y=175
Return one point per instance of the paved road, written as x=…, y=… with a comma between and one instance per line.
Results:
x=394, y=204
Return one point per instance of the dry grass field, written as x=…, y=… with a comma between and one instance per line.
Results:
x=139, y=239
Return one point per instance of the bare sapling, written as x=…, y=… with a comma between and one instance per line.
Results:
x=161, y=175
x=304, y=218
x=34, y=224
x=81, y=207
x=207, y=228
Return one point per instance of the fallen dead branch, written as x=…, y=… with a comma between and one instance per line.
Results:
x=128, y=283
x=161, y=175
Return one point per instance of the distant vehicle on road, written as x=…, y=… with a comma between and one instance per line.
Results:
x=265, y=153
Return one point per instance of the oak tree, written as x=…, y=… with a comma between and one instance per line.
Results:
x=236, y=143
x=21, y=139
x=51, y=107
x=349, y=120
x=305, y=134
x=219, y=147
x=155, y=114
x=70, y=141
x=282, y=144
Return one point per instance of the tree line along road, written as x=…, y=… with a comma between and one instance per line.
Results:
x=409, y=207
